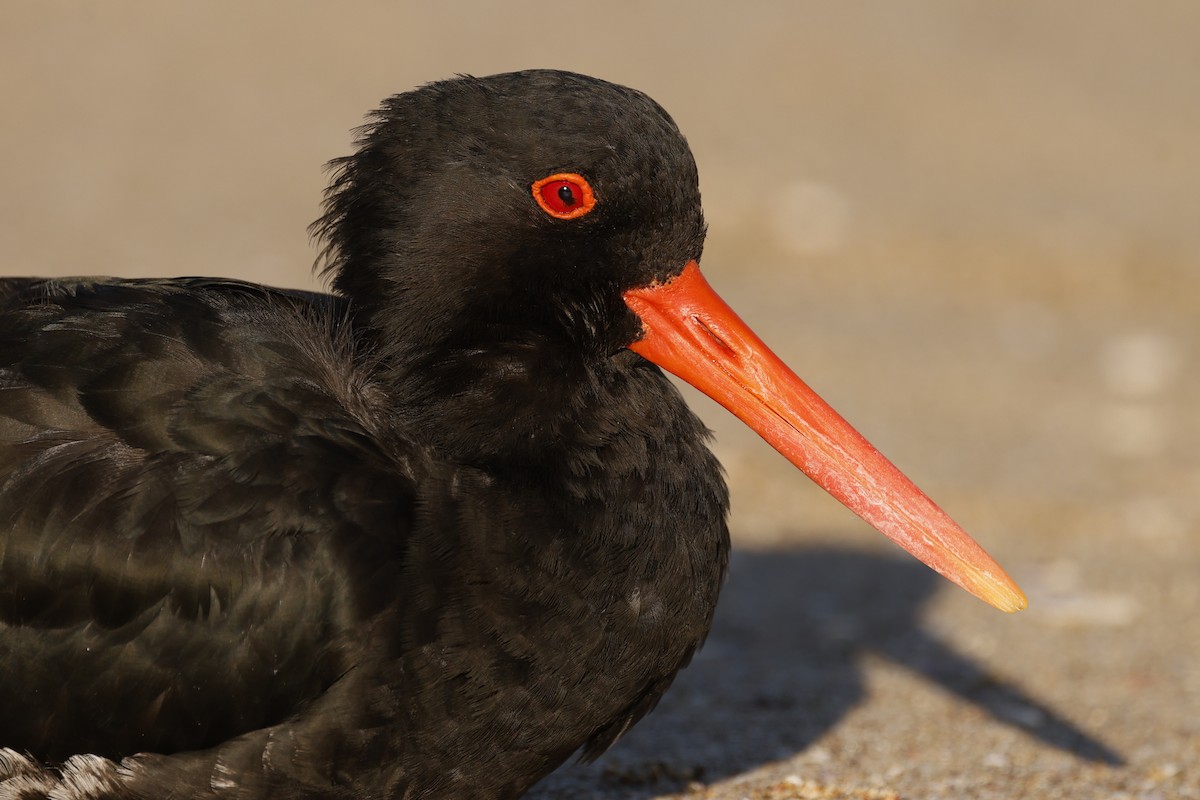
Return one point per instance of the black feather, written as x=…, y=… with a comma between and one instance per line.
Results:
x=426, y=537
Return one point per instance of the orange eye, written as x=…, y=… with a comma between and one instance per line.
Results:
x=564, y=195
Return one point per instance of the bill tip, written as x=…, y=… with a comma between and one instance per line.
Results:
x=1007, y=597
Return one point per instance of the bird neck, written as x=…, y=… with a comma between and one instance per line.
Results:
x=505, y=382
x=522, y=406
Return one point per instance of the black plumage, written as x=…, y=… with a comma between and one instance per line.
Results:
x=425, y=537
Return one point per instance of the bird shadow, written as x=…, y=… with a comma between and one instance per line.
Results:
x=782, y=666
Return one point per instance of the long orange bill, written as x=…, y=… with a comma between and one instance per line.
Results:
x=690, y=331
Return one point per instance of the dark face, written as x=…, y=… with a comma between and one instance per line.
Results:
x=436, y=214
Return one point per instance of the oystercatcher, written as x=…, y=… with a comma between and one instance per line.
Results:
x=425, y=536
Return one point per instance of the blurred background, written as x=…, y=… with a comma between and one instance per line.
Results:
x=974, y=227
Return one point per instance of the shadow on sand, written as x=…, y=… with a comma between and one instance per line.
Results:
x=759, y=693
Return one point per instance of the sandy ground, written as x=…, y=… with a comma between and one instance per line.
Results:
x=974, y=227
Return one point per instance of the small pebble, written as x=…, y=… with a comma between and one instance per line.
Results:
x=1140, y=366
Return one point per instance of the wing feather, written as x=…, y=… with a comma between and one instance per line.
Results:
x=185, y=467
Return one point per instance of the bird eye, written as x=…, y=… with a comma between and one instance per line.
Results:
x=564, y=195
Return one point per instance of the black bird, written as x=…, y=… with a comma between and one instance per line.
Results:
x=426, y=536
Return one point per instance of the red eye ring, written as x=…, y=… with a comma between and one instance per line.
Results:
x=564, y=195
